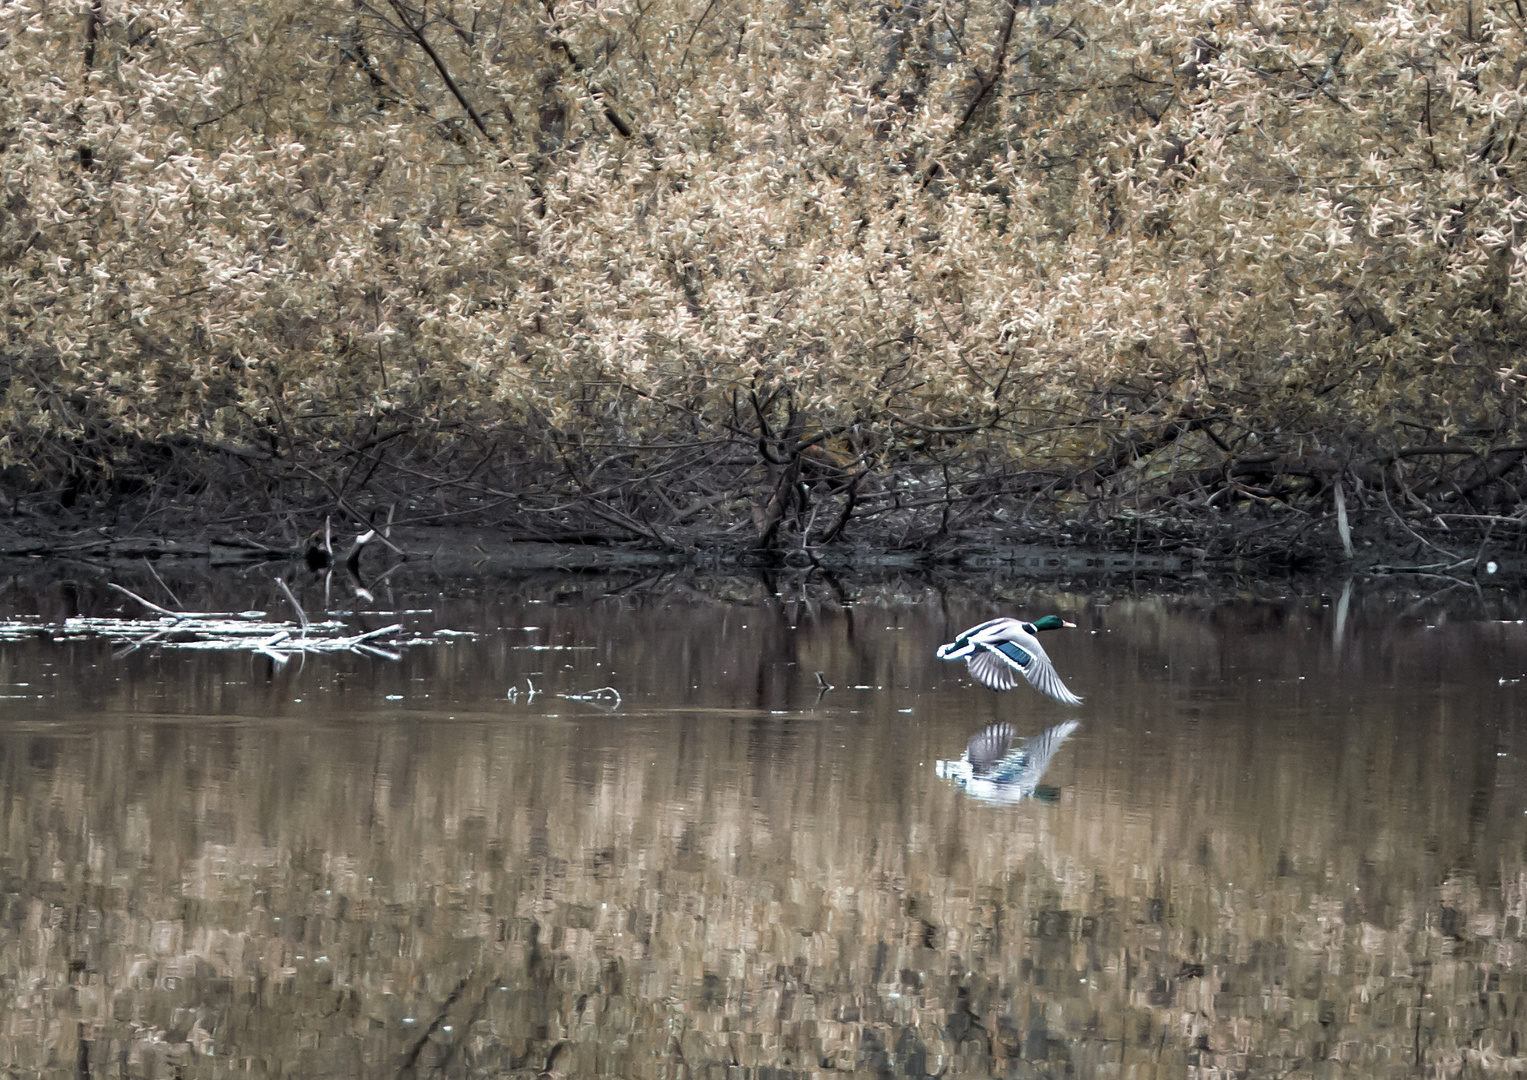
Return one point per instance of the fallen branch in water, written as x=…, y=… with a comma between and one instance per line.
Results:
x=228, y=630
x=604, y=695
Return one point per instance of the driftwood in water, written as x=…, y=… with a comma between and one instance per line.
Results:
x=228, y=630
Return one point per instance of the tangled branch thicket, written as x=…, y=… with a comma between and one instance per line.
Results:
x=806, y=269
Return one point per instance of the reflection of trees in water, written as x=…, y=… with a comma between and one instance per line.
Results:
x=619, y=897
x=638, y=931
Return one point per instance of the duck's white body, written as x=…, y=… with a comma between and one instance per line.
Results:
x=999, y=650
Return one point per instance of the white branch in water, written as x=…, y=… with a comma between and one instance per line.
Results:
x=605, y=694
x=150, y=603
x=225, y=630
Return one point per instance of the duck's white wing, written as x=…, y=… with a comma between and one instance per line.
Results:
x=992, y=669
x=999, y=663
x=1041, y=673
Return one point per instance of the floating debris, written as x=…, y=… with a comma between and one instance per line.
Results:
x=530, y=693
x=224, y=630
x=607, y=696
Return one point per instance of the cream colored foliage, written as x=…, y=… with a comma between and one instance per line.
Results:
x=288, y=214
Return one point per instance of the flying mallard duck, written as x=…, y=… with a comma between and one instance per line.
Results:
x=992, y=770
x=999, y=650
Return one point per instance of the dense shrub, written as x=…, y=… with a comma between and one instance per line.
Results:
x=747, y=260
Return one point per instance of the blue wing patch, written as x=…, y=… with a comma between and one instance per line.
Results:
x=1014, y=653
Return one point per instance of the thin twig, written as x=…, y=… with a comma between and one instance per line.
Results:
x=1384, y=492
x=368, y=635
x=146, y=603
x=417, y=33
x=695, y=30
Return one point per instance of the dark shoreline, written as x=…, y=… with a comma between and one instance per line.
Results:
x=1038, y=551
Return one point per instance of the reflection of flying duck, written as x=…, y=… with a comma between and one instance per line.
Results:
x=999, y=650
x=993, y=771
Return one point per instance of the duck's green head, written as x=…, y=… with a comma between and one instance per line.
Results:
x=1051, y=622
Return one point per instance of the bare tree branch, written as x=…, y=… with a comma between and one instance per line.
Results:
x=417, y=32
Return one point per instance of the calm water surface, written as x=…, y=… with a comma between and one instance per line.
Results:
x=1287, y=838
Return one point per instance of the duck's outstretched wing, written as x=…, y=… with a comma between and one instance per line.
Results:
x=998, y=664
x=991, y=670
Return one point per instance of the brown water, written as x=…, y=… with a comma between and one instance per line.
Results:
x=1275, y=845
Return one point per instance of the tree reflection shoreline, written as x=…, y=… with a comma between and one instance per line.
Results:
x=1277, y=847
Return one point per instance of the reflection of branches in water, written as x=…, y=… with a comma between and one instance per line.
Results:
x=1339, y=628
x=645, y=907
x=1129, y=924
x=412, y=1056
